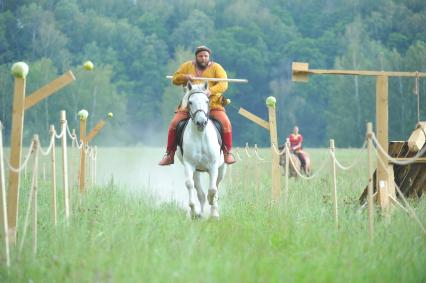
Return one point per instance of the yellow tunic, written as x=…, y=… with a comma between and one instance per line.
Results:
x=214, y=70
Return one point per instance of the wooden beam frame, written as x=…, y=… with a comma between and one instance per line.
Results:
x=300, y=72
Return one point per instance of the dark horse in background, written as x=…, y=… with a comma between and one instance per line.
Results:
x=305, y=170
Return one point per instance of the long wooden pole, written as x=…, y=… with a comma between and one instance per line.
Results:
x=215, y=79
x=53, y=170
x=15, y=155
x=82, y=170
x=276, y=181
x=382, y=119
x=333, y=167
x=65, y=164
x=35, y=193
x=370, y=184
x=287, y=168
x=73, y=161
x=3, y=207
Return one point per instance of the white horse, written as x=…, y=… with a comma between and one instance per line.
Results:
x=201, y=150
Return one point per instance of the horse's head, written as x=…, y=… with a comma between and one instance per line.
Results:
x=197, y=101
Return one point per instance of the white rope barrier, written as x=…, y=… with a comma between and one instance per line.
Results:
x=238, y=155
x=277, y=150
x=246, y=150
x=355, y=162
x=257, y=154
x=24, y=164
x=395, y=161
x=49, y=149
x=60, y=135
x=297, y=171
x=408, y=206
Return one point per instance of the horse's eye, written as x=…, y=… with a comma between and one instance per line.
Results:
x=190, y=102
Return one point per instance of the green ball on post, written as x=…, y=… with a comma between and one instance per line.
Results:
x=271, y=101
x=20, y=70
x=83, y=114
x=88, y=65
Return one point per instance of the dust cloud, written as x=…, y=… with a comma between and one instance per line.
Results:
x=137, y=169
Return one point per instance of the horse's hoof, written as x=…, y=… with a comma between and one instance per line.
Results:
x=196, y=216
x=214, y=213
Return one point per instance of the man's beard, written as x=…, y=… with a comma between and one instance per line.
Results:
x=201, y=66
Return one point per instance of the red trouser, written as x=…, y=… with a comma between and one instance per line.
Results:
x=218, y=114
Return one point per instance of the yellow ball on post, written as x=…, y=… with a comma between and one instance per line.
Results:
x=110, y=115
x=88, y=65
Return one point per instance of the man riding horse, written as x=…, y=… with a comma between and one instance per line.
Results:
x=202, y=66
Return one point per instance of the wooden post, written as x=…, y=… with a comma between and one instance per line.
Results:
x=73, y=163
x=370, y=184
x=287, y=168
x=3, y=207
x=336, y=217
x=276, y=181
x=65, y=164
x=82, y=169
x=35, y=193
x=53, y=168
x=382, y=117
x=95, y=156
x=15, y=155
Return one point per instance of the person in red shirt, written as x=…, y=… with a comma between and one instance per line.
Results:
x=296, y=140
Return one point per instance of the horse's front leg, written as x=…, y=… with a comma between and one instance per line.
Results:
x=189, y=183
x=200, y=194
x=213, y=194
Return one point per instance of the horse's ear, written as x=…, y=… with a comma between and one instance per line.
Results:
x=189, y=85
x=206, y=85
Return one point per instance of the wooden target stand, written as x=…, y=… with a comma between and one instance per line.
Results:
x=20, y=105
x=85, y=139
x=385, y=174
x=271, y=126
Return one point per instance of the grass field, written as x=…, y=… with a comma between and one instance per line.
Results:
x=135, y=228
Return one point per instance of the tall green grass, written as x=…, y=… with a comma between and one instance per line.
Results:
x=119, y=236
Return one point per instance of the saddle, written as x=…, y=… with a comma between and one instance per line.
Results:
x=182, y=125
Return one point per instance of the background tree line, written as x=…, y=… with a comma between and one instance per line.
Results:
x=134, y=44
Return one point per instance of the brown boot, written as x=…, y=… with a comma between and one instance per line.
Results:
x=168, y=159
x=229, y=158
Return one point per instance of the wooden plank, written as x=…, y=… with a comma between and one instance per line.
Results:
x=49, y=89
x=419, y=184
x=95, y=130
x=15, y=155
x=254, y=118
x=364, y=73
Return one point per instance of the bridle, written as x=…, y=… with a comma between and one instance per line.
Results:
x=192, y=115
